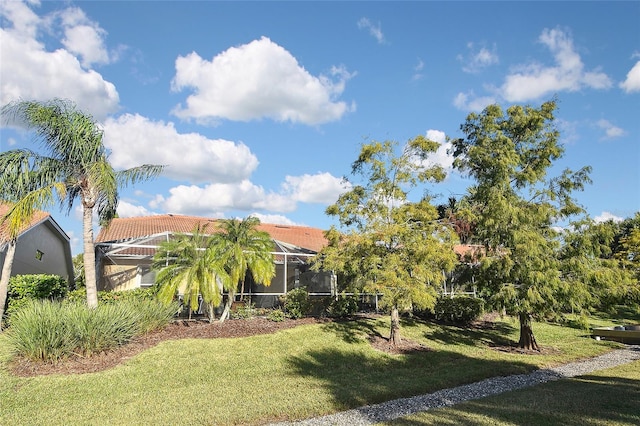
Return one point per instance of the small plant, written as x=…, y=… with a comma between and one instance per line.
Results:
x=276, y=315
x=244, y=311
x=297, y=303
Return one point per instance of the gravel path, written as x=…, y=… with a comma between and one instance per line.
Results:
x=372, y=414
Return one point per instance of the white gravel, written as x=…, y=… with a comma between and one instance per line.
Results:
x=372, y=414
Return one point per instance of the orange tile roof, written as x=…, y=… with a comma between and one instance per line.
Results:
x=38, y=217
x=122, y=229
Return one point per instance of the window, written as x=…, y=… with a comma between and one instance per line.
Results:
x=39, y=255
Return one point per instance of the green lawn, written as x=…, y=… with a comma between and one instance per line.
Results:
x=306, y=371
x=608, y=397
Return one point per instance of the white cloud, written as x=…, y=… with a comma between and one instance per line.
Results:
x=374, y=30
x=274, y=219
x=606, y=216
x=441, y=157
x=469, y=102
x=632, y=82
x=417, y=70
x=29, y=71
x=478, y=59
x=83, y=37
x=126, y=209
x=322, y=188
x=257, y=80
x=611, y=131
x=136, y=140
x=212, y=199
x=535, y=80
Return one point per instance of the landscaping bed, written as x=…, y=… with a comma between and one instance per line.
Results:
x=181, y=329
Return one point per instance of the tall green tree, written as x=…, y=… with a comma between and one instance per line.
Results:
x=393, y=246
x=592, y=275
x=243, y=248
x=187, y=265
x=509, y=155
x=73, y=156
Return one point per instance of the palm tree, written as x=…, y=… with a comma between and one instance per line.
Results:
x=242, y=248
x=187, y=264
x=22, y=201
x=76, y=158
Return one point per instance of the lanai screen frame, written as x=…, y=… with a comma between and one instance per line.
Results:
x=106, y=249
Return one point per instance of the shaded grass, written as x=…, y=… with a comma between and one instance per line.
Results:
x=607, y=397
x=306, y=371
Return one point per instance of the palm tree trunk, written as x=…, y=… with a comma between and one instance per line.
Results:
x=227, y=306
x=89, y=257
x=6, y=274
x=394, y=337
x=212, y=312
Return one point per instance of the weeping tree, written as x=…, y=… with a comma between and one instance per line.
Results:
x=392, y=246
x=242, y=248
x=517, y=206
x=188, y=266
x=72, y=156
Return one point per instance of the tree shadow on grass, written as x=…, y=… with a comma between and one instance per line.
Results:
x=586, y=400
x=358, y=378
x=353, y=331
x=493, y=334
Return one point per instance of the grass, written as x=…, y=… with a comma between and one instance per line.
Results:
x=306, y=371
x=608, y=397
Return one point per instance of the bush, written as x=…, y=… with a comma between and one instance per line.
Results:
x=50, y=331
x=458, y=310
x=342, y=307
x=297, y=303
x=243, y=311
x=135, y=295
x=276, y=315
x=23, y=288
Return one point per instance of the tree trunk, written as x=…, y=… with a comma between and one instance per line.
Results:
x=527, y=339
x=242, y=291
x=89, y=257
x=394, y=337
x=227, y=306
x=6, y=274
x=212, y=312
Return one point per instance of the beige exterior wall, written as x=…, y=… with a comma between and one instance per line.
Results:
x=124, y=276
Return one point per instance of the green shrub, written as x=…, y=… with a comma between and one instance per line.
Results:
x=276, y=315
x=135, y=295
x=343, y=306
x=243, y=311
x=23, y=288
x=297, y=303
x=50, y=331
x=458, y=310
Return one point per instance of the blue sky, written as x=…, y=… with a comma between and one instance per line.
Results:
x=261, y=107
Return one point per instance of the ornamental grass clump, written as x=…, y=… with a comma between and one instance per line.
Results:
x=50, y=331
x=40, y=331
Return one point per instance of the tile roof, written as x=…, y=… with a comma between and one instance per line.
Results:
x=122, y=229
x=38, y=217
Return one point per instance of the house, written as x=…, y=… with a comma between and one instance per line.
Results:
x=42, y=247
x=125, y=249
